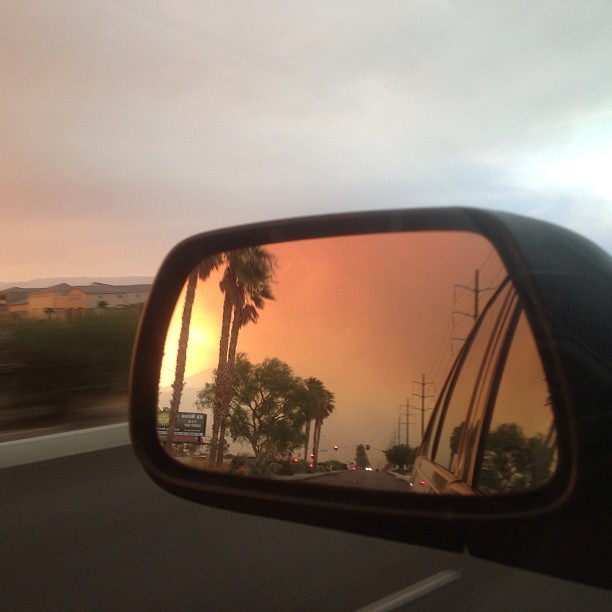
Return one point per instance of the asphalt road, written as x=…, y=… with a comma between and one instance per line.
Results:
x=363, y=479
x=91, y=532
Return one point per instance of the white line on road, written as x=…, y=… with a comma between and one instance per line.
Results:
x=41, y=448
x=414, y=591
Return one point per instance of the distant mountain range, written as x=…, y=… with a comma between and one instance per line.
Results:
x=41, y=283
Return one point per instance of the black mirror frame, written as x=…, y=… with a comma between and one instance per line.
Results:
x=446, y=522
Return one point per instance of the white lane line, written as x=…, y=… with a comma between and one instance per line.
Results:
x=41, y=448
x=414, y=591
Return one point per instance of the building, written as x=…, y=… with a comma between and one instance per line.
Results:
x=14, y=300
x=65, y=301
x=43, y=303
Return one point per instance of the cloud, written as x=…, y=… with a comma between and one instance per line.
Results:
x=151, y=120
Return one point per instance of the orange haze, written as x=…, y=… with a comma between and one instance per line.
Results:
x=368, y=315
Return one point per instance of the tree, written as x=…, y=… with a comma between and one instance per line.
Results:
x=401, y=455
x=313, y=389
x=514, y=462
x=361, y=457
x=59, y=364
x=324, y=409
x=543, y=457
x=202, y=272
x=265, y=407
x=318, y=405
x=246, y=284
x=505, y=463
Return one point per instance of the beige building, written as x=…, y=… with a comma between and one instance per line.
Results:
x=14, y=301
x=100, y=295
x=43, y=303
x=65, y=301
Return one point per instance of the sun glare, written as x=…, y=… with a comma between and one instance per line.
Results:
x=590, y=172
x=203, y=340
x=583, y=162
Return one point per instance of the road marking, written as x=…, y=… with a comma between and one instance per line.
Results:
x=414, y=591
x=41, y=448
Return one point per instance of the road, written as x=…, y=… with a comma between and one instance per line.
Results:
x=92, y=532
x=363, y=479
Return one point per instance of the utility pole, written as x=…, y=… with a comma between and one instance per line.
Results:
x=408, y=423
x=423, y=384
x=476, y=290
x=399, y=428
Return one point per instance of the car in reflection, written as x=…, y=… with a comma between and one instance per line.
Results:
x=492, y=430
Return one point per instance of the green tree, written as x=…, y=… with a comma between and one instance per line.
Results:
x=361, y=457
x=246, y=284
x=455, y=439
x=313, y=390
x=542, y=451
x=60, y=364
x=318, y=404
x=201, y=272
x=506, y=462
x=514, y=462
x=265, y=407
x=324, y=408
x=401, y=455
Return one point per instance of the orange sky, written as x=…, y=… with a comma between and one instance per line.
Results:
x=367, y=315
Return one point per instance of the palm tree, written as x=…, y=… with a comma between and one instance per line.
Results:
x=202, y=272
x=246, y=285
x=314, y=388
x=324, y=409
x=243, y=314
x=318, y=406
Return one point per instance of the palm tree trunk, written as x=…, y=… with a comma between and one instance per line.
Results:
x=220, y=382
x=307, y=441
x=317, y=439
x=247, y=274
x=181, y=358
x=226, y=390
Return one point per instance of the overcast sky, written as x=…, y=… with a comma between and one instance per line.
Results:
x=126, y=126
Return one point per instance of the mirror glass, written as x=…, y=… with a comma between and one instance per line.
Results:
x=322, y=361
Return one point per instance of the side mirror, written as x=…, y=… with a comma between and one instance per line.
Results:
x=327, y=369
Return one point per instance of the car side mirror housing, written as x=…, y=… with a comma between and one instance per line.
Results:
x=327, y=369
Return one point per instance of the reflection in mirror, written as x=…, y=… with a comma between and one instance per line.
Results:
x=519, y=450
x=320, y=360
x=494, y=430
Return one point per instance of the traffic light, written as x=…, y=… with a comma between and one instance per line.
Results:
x=335, y=447
x=312, y=456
